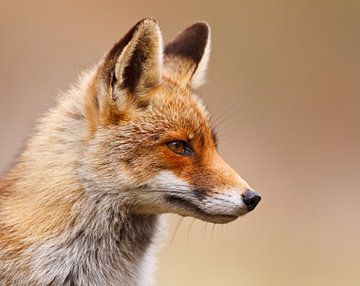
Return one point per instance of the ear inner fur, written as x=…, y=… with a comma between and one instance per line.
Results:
x=131, y=68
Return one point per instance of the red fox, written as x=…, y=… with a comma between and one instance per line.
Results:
x=130, y=141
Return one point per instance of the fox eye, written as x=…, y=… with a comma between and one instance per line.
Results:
x=180, y=148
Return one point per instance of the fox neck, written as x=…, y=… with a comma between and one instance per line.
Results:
x=109, y=248
x=104, y=243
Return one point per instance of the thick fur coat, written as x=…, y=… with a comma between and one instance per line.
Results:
x=131, y=140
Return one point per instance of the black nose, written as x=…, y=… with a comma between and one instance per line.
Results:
x=251, y=199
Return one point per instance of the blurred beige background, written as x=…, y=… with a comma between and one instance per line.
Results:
x=286, y=76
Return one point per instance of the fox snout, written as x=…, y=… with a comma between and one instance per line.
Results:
x=235, y=188
x=214, y=194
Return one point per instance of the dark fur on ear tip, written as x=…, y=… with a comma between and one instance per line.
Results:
x=119, y=46
x=117, y=49
x=191, y=43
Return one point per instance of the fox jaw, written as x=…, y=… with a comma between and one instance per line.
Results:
x=149, y=143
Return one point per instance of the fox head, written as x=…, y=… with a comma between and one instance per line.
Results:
x=149, y=140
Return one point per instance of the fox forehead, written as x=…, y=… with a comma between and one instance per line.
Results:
x=174, y=108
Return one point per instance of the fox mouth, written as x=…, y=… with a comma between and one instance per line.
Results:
x=187, y=207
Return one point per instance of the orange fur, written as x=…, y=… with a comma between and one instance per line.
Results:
x=99, y=164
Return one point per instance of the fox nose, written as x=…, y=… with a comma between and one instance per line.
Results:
x=251, y=199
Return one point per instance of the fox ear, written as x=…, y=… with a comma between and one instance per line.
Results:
x=131, y=68
x=186, y=58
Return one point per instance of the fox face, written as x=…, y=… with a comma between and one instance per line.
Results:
x=149, y=139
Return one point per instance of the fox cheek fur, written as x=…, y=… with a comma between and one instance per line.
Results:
x=131, y=141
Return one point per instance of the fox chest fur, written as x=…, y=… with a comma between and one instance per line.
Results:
x=130, y=141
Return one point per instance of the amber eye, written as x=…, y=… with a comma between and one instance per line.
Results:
x=180, y=148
